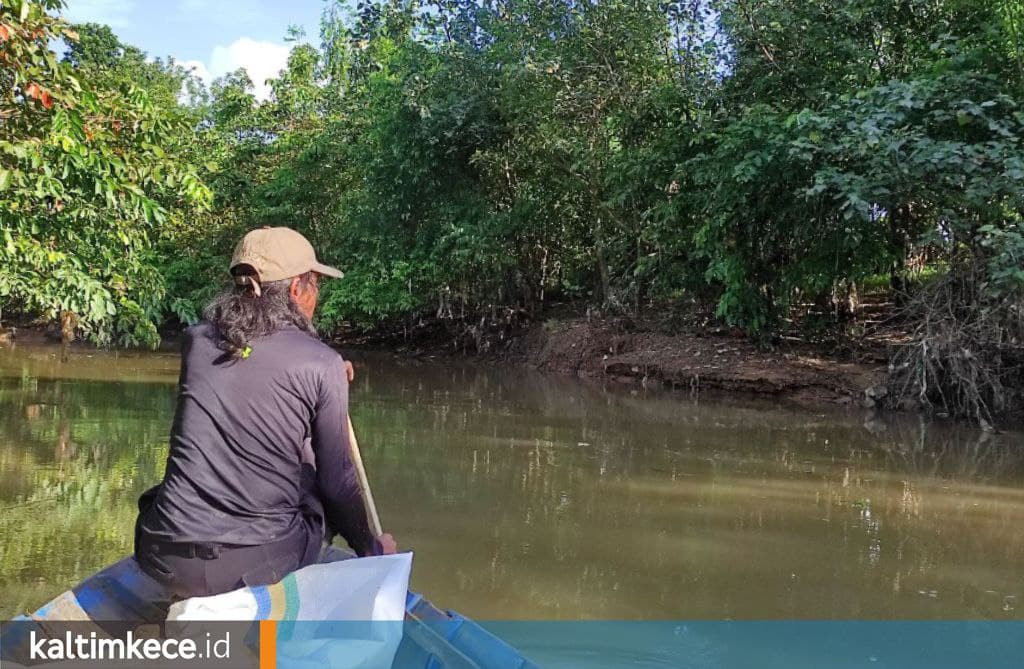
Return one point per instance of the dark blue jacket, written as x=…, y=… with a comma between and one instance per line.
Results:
x=256, y=443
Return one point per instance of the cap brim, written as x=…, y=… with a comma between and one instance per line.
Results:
x=327, y=270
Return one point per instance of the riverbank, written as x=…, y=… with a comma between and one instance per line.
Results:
x=694, y=360
x=698, y=360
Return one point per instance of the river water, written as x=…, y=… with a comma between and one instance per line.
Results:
x=534, y=497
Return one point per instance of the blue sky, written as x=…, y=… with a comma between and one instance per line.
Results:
x=213, y=36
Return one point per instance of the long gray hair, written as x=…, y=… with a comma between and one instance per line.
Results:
x=250, y=310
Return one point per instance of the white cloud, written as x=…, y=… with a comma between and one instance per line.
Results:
x=114, y=13
x=262, y=60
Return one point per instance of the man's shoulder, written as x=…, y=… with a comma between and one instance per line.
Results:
x=292, y=347
x=304, y=346
x=307, y=356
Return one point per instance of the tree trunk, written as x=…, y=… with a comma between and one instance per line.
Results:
x=602, y=262
x=68, y=323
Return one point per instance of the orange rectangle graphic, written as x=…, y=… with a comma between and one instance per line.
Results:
x=268, y=644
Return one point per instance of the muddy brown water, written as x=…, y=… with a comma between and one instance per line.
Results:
x=534, y=497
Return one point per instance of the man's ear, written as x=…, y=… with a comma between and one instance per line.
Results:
x=293, y=289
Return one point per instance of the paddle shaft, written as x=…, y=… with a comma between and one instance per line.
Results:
x=364, y=482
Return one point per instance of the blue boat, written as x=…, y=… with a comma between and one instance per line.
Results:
x=432, y=638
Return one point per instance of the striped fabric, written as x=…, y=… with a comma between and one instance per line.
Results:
x=279, y=601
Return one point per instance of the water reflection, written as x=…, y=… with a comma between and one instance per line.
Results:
x=535, y=497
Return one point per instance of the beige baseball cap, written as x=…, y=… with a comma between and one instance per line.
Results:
x=279, y=253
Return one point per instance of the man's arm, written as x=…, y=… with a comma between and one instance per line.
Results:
x=337, y=483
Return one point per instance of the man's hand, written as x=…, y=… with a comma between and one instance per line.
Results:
x=350, y=371
x=387, y=544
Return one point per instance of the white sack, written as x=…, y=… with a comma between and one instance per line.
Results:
x=356, y=590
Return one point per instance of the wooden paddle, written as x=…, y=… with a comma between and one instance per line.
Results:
x=364, y=482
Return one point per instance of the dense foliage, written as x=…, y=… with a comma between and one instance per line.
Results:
x=86, y=182
x=474, y=160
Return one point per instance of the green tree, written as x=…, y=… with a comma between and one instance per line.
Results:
x=98, y=57
x=82, y=177
x=467, y=163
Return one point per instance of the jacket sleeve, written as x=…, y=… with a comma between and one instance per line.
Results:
x=337, y=482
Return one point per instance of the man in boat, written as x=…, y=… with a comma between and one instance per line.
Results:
x=259, y=472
